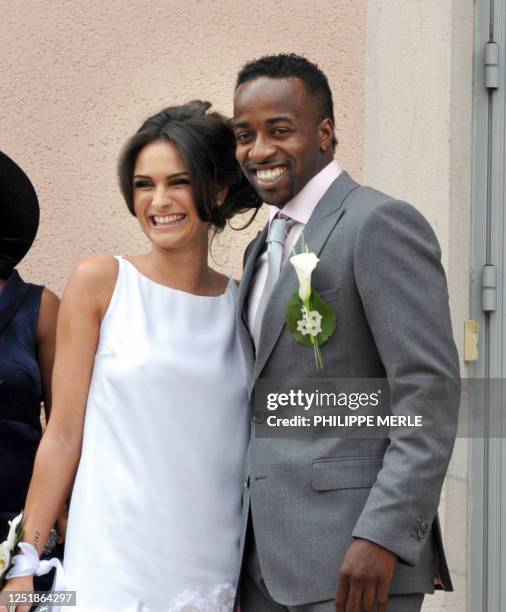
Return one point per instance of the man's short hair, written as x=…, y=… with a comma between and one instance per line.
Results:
x=288, y=65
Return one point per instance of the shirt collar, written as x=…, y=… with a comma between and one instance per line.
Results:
x=301, y=207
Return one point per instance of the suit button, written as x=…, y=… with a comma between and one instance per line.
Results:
x=246, y=483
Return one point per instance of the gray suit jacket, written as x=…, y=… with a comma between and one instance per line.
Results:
x=380, y=270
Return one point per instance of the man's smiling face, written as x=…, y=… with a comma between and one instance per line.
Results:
x=281, y=140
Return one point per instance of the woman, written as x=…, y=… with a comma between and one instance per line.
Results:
x=27, y=340
x=150, y=389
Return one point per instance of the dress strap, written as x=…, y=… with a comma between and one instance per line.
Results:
x=124, y=265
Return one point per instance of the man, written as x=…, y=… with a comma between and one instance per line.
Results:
x=356, y=516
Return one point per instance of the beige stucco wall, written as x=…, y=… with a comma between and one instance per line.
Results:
x=418, y=127
x=79, y=77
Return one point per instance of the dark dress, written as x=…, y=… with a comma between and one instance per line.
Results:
x=20, y=401
x=20, y=393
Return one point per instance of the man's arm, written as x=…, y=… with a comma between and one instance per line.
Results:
x=402, y=285
x=403, y=288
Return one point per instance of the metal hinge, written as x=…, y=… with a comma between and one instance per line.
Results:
x=489, y=288
x=492, y=65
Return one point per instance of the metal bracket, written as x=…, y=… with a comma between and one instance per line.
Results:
x=492, y=65
x=471, y=340
x=489, y=288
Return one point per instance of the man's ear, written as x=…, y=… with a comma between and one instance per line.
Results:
x=326, y=134
x=221, y=194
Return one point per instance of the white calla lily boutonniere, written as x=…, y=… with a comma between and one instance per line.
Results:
x=311, y=320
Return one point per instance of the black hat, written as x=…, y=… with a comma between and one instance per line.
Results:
x=19, y=215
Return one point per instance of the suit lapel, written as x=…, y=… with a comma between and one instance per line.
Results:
x=325, y=217
x=244, y=287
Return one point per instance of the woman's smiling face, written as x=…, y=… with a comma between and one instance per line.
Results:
x=163, y=198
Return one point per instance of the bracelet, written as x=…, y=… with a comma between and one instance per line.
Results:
x=51, y=542
x=29, y=564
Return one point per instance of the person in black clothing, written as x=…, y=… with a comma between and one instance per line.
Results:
x=28, y=316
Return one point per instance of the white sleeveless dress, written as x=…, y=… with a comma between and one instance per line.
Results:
x=154, y=520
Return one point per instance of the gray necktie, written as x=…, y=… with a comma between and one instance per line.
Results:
x=275, y=244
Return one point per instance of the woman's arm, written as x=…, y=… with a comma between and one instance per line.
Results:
x=46, y=343
x=84, y=302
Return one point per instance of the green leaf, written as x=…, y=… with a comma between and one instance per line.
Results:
x=294, y=314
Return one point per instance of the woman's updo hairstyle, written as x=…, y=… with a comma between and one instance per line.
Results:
x=206, y=144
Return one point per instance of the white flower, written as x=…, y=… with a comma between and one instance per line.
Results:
x=304, y=264
x=314, y=328
x=311, y=322
x=11, y=537
x=313, y=316
x=302, y=327
x=5, y=556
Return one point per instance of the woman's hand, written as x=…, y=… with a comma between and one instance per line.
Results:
x=21, y=583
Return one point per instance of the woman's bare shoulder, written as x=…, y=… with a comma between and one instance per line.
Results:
x=92, y=281
x=96, y=269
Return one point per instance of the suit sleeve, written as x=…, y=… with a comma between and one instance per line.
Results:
x=401, y=281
